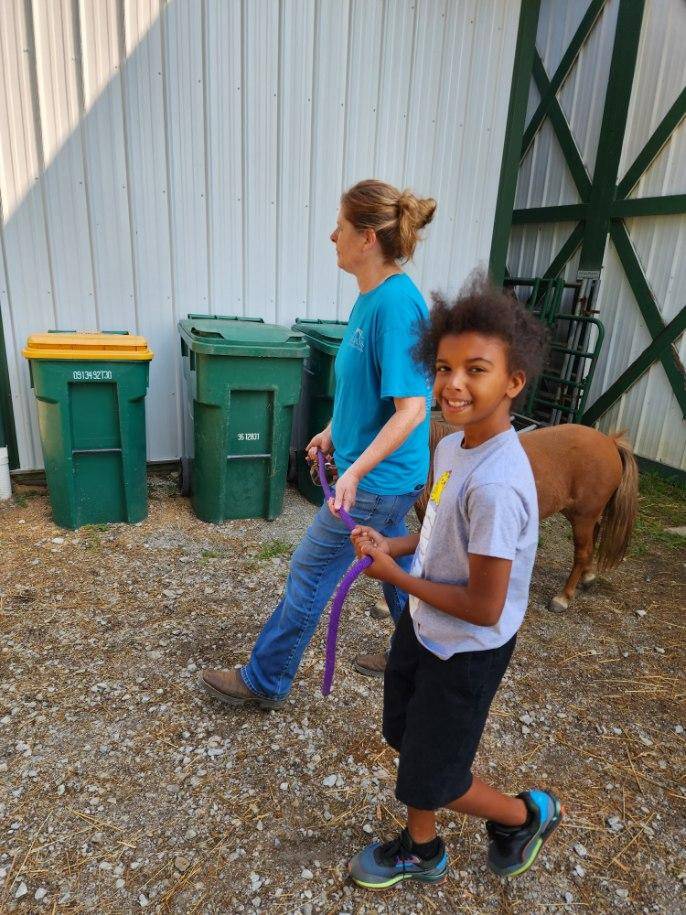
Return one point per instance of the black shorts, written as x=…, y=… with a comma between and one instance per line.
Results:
x=434, y=714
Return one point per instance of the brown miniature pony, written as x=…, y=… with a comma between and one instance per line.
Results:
x=591, y=478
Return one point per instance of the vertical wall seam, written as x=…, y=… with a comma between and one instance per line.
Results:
x=40, y=148
x=121, y=45
x=206, y=146
x=244, y=140
x=165, y=112
x=81, y=102
x=315, y=70
x=382, y=56
x=279, y=165
x=346, y=109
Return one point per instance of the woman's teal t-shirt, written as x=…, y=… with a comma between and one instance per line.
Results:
x=374, y=364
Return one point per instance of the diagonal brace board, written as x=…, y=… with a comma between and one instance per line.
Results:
x=638, y=367
x=562, y=72
x=648, y=308
x=562, y=130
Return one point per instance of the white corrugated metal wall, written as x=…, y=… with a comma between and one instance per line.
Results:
x=649, y=410
x=159, y=158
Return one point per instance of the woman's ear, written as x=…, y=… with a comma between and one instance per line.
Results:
x=369, y=239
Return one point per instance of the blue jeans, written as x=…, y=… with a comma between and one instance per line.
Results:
x=316, y=568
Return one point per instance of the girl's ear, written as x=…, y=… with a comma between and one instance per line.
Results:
x=516, y=385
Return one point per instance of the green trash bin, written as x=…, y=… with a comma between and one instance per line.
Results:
x=319, y=386
x=90, y=389
x=242, y=381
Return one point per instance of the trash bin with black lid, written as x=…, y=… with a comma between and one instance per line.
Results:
x=243, y=380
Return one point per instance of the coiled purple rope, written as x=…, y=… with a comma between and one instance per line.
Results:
x=342, y=589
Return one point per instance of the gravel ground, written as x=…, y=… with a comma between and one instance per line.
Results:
x=123, y=787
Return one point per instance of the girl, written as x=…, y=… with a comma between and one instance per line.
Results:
x=468, y=588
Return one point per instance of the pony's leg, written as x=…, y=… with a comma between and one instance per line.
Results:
x=588, y=576
x=583, y=530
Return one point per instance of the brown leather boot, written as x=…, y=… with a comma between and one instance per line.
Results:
x=380, y=610
x=229, y=688
x=371, y=665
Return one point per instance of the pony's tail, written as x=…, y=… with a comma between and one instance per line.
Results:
x=617, y=521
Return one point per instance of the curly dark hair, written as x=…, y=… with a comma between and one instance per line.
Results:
x=482, y=308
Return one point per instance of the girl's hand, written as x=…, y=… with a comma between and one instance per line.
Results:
x=367, y=536
x=383, y=568
x=346, y=492
x=320, y=442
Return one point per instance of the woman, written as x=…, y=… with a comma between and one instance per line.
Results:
x=379, y=430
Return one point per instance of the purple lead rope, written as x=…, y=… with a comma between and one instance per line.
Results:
x=341, y=590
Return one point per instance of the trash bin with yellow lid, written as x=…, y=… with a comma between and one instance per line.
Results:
x=90, y=392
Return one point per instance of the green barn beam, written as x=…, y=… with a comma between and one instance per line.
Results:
x=670, y=205
x=563, y=69
x=612, y=130
x=516, y=115
x=562, y=131
x=566, y=212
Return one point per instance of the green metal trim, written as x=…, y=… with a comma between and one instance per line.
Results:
x=612, y=130
x=670, y=205
x=662, y=133
x=566, y=251
x=562, y=131
x=8, y=432
x=562, y=72
x=516, y=115
x=648, y=308
x=638, y=367
x=673, y=474
x=566, y=212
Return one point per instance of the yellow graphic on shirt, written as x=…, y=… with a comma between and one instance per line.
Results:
x=439, y=486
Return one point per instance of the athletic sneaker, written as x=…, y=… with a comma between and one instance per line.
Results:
x=378, y=866
x=513, y=849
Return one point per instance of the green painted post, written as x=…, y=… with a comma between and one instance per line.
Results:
x=612, y=130
x=516, y=114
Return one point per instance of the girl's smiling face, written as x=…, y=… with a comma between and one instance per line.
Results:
x=474, y=385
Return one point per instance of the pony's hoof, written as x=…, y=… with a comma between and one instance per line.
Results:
x=558, y=604
x=588, y=581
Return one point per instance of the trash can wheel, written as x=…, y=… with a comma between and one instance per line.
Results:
x=185, y=476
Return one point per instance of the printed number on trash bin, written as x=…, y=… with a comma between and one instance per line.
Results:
x=248, y=436
x=93, y=375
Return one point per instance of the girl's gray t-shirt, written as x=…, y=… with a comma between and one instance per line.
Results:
x=484, y=502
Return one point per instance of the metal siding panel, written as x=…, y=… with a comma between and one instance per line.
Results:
x=328, y=126
x=64, y=177
x=660, y=77
x=454, y=137
x=260, y=79
x=224, y=127
x=28, y=303
x=208, y=176
x=558, y=21
x=295, y=149
x=105, y=162
x=422, y=128
x=185, y=124
x=582, y=95
x=147, y=166
x=361, y=113
x=394, y=90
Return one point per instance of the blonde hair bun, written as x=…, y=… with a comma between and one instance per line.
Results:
x=396, y=216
